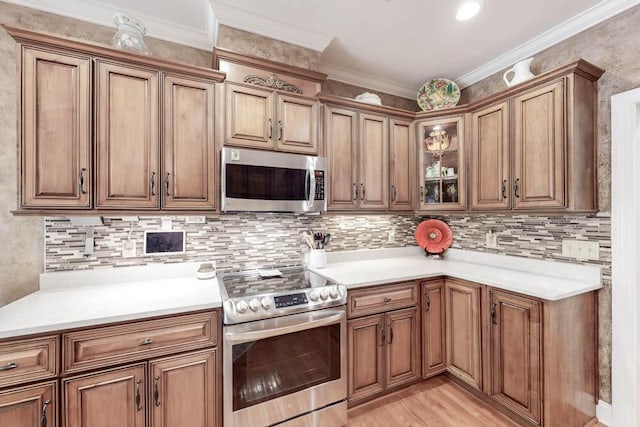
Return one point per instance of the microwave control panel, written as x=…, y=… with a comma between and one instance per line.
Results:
x=319, y=185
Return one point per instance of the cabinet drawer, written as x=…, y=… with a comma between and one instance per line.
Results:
x=125, y=343
x=28, y=360
x=379, y=299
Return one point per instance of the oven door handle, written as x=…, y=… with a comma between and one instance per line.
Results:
x=283, y=325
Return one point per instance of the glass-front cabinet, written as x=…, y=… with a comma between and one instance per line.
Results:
x=442, y=184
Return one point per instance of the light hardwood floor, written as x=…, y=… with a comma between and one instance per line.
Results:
x=437, y=402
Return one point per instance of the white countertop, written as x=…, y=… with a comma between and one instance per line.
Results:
x=86, y=298
x=538, y=278
x=77, y=299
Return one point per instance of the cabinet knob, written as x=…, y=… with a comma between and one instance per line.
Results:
x=387, y=299
x=147, y=341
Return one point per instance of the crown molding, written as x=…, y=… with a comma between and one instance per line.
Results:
x=231, y=16
x=100, y=12
x=590, y=17
x=368, y=81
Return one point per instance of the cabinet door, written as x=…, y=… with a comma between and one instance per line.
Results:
x=515, y=353
x=433, y=328
x=365, y=369
x=491, y=183
x=56, y=130
x=249, y=117
x=127, y=137
x=188, y=147
x=106, y=399
x=463, y=331
x=402, y=173
x=403, y=347
x=442, y=179
x=539, y=148
x=297, y=127
x=183, y=390
x=340, y=138
x=30, y=406
x=374, y=162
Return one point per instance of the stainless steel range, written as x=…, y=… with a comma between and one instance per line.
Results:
x=284, y=349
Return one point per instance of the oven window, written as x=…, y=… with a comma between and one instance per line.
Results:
x=284, y=364
x=266, y=183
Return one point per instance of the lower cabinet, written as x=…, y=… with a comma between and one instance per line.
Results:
x=383, y=352
x=173, y=391
x=433, y=328
x=30, y=406
x=515, y=351
x=464, y=357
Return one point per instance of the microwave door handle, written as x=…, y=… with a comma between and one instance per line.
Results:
x=311, y=173
x=295, y=323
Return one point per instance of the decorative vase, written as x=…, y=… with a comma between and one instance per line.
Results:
x=130, y=34
x=521, y=72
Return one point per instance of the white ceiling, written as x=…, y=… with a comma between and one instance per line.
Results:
x=388, y=45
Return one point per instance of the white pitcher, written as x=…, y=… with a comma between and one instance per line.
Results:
x=520, y=72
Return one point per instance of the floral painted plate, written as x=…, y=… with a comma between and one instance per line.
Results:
x=434, y=236
x=438, y=94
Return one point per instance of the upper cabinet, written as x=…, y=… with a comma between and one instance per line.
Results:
x=402, y=149
x=55, y=129
x=533, y=146
x=441, y=163
x=269, y=105
x=138, y=135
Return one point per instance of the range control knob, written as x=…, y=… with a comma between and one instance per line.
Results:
x=314, y=295
x=241, y=307
x=266, y=303
x=254, y=304
x=334, y=292
x=324, y=293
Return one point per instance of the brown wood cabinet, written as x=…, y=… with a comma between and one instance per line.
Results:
x=182, y=388
x=357, y=148
x=533, y=146
x=463, y=323
x=55, y=129
x=127, y=144
x=434, y=359
x=31, y=406
x=26, y=360
x=515, y=353
x=402, y=165
x=442, y=163
x=262, y=118
x=189, y=173
x=384, y=348
x=108, y=398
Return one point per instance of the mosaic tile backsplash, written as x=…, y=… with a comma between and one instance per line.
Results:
x=246, y=241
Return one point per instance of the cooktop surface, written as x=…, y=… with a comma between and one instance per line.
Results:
x=259, y=282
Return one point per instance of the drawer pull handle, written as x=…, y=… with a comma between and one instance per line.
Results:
x=493, y=314
x=138, y=398
x=355, y=191
x=516, y=188
x=504, y=189
x=9, y=366
x=152, y=183
x=390, y=334
x=381, y=335
x=270, y=129
x=43, y=413
x=387, y=299
x=147, y=341
x=428, y=303
x=280, y=130
x=81, y=181
x=156, y=393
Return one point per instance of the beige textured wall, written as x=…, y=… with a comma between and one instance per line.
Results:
x=22, y=260
x=276, y=50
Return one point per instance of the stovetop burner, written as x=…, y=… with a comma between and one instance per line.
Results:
x=260, y=294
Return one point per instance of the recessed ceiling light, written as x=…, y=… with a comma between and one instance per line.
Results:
x=468, y=9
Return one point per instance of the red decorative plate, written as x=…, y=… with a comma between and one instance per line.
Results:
x=433, y=235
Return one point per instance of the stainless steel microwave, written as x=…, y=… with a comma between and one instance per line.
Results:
x=265, y=181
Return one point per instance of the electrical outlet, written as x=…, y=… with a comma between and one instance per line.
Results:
x=491, y=239
x=196, y=220
x=129, y=249
x=581, y=250
x=391, y=235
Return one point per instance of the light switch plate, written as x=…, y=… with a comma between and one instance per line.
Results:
x=581, y=250
x=129, y=249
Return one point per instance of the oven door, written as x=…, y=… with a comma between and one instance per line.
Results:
x=255, y=180
x=281, y=368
